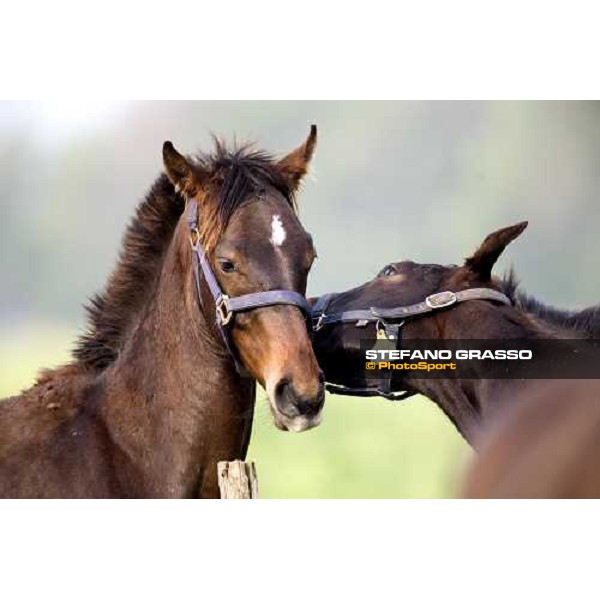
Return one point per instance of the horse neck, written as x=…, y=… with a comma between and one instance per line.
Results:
x=175, y=403
x=471, y=403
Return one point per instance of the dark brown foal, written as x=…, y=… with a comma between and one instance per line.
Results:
x=509, y=316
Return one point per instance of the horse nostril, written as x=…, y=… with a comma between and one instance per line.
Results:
x=291, y=404
x=285, y=398
x=282, y=387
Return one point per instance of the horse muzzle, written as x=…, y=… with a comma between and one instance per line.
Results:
x=293, y=410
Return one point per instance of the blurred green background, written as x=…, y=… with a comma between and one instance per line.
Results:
x=391, y=180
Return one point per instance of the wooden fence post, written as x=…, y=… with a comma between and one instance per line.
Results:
x=237, y=480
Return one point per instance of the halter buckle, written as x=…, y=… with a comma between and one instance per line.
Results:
x=224, y=313
x=440, y=300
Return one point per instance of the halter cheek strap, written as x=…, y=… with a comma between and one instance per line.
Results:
x=393, y=331
x=225, y=307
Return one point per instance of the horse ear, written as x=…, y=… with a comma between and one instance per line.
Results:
x=179, y=171
x=482, y=262
x=295, y=165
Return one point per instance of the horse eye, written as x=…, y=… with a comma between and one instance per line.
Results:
x=387, y=271
x=226, y=266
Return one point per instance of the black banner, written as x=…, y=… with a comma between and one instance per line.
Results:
x=484, y=359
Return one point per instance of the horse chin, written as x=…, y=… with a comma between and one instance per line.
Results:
x=296, y=424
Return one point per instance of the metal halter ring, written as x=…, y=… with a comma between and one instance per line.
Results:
x=319, y=322
x=194, y=233
x=224, y=313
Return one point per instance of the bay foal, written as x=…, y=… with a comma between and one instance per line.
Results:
x=153, y=398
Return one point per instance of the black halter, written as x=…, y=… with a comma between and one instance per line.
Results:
x=392, y=331
x=226, y=307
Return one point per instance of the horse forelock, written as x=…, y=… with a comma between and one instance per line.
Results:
x=232, y=178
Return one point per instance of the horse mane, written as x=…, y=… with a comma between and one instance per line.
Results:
x=586, y=321
x=233, y=176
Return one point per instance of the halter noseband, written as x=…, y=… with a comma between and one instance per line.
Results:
x=392, y=331
x=226, y=307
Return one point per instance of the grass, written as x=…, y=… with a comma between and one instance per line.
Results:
x=26, y=349
x=365, y=447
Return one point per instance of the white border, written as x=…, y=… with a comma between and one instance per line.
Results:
x=238, y=50
x=298, y=549
x=267, y=49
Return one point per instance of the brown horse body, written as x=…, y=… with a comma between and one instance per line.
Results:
x=545, y=445
x=153, y=400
